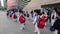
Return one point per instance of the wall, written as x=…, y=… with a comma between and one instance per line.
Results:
x=36, y=4
x=22, y=3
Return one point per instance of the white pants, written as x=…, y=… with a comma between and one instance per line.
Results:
x=22, y=26
x=52, y=21
x=37, y=29
x=55, y=32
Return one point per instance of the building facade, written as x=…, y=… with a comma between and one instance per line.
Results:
x=36, y=4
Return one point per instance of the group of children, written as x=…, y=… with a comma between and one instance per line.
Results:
x=17, y=18
x=39, y=20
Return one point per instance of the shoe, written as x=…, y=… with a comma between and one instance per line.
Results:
x=21, y=28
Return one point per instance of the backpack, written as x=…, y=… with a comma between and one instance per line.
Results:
x=57, y=24
x=41, y=22
x=44, y=19
x=15, y=16
x=52, y=28
x=22, y=19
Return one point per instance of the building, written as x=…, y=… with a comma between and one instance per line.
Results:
x=3, y=4
x=36, y=4
x=29, y=5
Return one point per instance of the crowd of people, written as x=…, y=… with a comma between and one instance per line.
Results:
x=39, y=19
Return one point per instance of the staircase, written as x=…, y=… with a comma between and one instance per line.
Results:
x=22, y=3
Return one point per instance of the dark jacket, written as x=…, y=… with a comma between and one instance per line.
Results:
x=57, y=24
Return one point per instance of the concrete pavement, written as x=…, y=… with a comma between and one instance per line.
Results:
x=8, y=26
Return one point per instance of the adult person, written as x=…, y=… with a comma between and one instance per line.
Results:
x=49, y=14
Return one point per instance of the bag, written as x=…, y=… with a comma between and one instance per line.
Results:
x=22, y=19
x=41, y=25
x=41, y=22
x=44, y=19
x=15, y=16
x=52, y=28
x=57, y=24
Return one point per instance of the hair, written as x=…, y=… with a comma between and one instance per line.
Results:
x=20, y=11
x=57, y=11
x=38, y=11
x=43, y=13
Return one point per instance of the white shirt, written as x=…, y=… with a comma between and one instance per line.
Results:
x=35, y=20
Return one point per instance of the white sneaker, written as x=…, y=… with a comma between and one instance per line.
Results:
x=21, y=28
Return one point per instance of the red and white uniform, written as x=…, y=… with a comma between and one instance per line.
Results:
x=14, y=16
x=21, y=21
x=35, y=22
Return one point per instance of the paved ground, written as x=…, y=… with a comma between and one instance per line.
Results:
x=8, y=26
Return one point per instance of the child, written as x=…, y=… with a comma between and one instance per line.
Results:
x=57, y=23
x=11, y=13
x=37, y=30
x=22, y=20
x=39, y=21
x=34, y=15
x=14, y=17
x=35, y=22
x=44, y=15
x=7, y=14
x=27, y=15
x=53, y=17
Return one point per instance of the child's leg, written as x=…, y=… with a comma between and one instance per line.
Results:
x=55, y=32
x=15, y=20
x=35, y=28
x=52, y=21
x=21, y=26
x=38, y=30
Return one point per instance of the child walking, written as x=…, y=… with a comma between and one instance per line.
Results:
x=39, y=22
x=57, y=23
x=35, y=23
x=22, y=20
